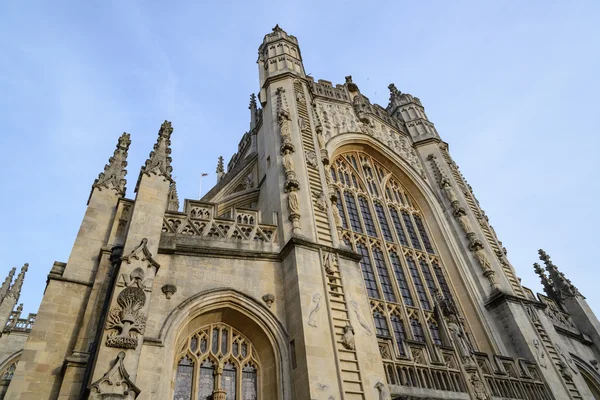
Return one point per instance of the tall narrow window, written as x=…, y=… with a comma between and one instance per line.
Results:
x=229, y=381
x=183, y=379
x=367, y=217
x=439, y=274
x=423, y=233
x=417, y=330
x=401, y=279
x=385, y=228
x=398, y=226
x=412, y=267
x=428, y=278
x=249, y=384
x=352, y=212
x=411, y=230
x=399, y=333
x=384, y=277
x=367, y=270
x=435, y=333
x=381, y=325
x=206, y=383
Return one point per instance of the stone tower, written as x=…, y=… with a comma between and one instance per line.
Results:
x=341, y=255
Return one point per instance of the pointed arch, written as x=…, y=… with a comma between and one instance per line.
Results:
x=248, y=317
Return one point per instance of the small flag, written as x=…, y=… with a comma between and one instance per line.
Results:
x=203, y=174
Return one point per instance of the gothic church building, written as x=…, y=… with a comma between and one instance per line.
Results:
x=341, y=256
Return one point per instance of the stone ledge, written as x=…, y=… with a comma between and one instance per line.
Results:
x=500, y=297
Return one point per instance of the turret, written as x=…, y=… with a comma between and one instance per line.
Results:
x=279, y=54
x=253, y=111
x=173, y=204
x=409, y=110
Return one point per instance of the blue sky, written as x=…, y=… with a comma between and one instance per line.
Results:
x=511, y=86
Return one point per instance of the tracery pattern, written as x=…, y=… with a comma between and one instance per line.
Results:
x=400, y=266
x=216, y=357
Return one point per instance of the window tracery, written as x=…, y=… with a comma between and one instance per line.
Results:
x=216, y=357
x=400, y=266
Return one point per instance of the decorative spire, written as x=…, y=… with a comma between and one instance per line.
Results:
x=252, y=105
x=173, y=203
x=6, y=284
x=159, y=161
x=113, y=176
x=394, y=92
x=15, y=290
x=546, y=282
x=277, y=29
x=562, y=287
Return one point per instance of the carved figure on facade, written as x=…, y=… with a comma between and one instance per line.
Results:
x=311, y=159
x=314, y=308
x=321, y=201
x=567, y=359
x=269, y=299
x=540, y=355
x=169, y=290
x=384, y=394
x=348, y=337
x=329, y=263
x=126, y=320
x=479, y=388
x=288, y=165
x=361, y=319
x=337, y=218
x=115, y=384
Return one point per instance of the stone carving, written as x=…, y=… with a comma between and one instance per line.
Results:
x=316, y=305
x=361, y=320
x=6, y=284
x=288, y=165
x=15, y=289
x=564, y=371
x=539, y=353
x=125, y=320
x=479, y=387
x=329, y=263
x=173, y=203
x=159, y=161
x=337, y=218
x=268, y=299
x=348, y=337
x=459, y=337
x=321, y=201
x=449, y=191
x=465, y=223
x=114, y=173
x=115, y=384
x=320, y=386
x=311, y=159
x=568, y=360
x=169, y=290
x=384, y=394
x=293, y=203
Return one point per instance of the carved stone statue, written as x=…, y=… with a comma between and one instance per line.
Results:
x=449, y=190
x=294, y=202
x=482, y=259
x=321, y=140
x=383, y=392
x=288, y=161
x=348, y=337
x=465, y=224
x=335, y=211
x=460, y=340
x=479, y=387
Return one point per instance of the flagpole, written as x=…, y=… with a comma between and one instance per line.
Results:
x=202, y=175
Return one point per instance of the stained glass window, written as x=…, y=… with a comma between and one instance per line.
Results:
x=367, y=270
x=381, y=325
x=401, y=279
x=367, y=217
x=417, y=330
x=352, y=212
x=206, y=383
x=412, y=267
x=398, y=226
x=385, y=228
x=411, y=230
x=428, y=277
x=439, y=274
x=384, y=277
x=399, y=333
x=249, y=384
x=183, y=379
x=229, y=381
x=435, y=333
x=423, y=234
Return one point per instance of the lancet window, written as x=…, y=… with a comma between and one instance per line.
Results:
x=401, y=268
x=213, y=359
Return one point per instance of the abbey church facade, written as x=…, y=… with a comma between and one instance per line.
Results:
x=341, y=255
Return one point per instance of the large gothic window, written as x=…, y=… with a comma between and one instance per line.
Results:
x=216, y=357
x=401, y=268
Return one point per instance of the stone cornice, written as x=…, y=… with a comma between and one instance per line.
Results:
x=279, y=77
x=297, y=241
x=426, y=141
x=497, y=298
